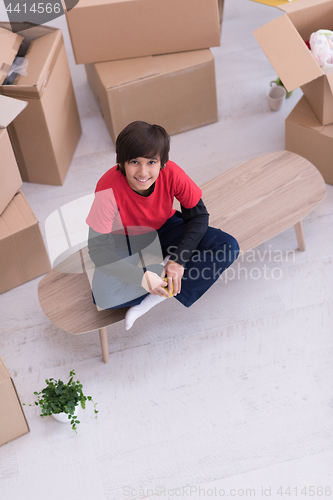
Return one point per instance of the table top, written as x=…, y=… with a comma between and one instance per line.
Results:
x=253, y=201
x=263, y=197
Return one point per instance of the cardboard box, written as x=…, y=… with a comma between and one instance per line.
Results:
x=306, y=136
x=9, y=45
x=11, y=180
x=13, y=423
x=22, y=249
x=283, y=41
x=177, y=91
x=107, y=30
x=45, y=135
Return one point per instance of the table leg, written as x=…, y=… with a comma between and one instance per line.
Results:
x=300, y=236
x=103, y=336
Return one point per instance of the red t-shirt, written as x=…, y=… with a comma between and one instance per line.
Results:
x=116, y=206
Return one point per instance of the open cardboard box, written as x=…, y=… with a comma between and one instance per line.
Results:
x=11, y=180
x=45, y=135
x=9, y=45
x=106, y=30
x=22, y=249
x=177, y=91
x=306, y=136
x=283, y=41
x=13, y=423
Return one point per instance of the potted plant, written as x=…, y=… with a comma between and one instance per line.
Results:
x=60, y=399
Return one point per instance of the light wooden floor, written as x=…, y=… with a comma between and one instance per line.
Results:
x=234, y=393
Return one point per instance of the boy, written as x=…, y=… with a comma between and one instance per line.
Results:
x=133, y=227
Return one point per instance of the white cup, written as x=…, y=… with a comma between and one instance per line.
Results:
x=275, y=96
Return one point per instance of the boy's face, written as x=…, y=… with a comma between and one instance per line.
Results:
x=141, y=173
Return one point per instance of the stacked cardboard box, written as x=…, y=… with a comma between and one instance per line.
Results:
x=22, y=249
x=149, y=59
x=44, y=136
x=106, y=30
x=12, y=420
x=176, y=91
x=309, y=126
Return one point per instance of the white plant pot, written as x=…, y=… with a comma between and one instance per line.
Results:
x=63, y=417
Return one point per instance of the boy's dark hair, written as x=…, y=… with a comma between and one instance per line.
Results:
x=140, y=139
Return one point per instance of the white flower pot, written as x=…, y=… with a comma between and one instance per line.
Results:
x=63, y=417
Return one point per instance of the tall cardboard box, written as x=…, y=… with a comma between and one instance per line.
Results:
x=306, y=136
x=177, y=91
x=13, y=423
x=22, y=249
x=283, y=41
x=45, y=135
x=106, y=30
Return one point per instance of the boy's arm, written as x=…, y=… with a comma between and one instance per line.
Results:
x=196, y=220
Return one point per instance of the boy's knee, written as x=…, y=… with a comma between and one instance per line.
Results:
x=222, y=245
x=233, y=247
x=228, y=246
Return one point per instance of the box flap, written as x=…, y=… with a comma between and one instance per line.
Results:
x=16, y=217
x=40, y=56
x=284, y=48
x=328, y=131
x=297, y=5
x=117, y=73
x=294, y=5
x=284, y=6
x=330, y=81
x=9, y=45
x=303, y=114
x=4, y=373
x=28, y=31
x=9, y=109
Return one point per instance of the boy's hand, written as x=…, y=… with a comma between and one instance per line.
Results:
x=154, y=284
x=174, y=273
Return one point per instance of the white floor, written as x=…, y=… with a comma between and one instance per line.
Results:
x=232, y=395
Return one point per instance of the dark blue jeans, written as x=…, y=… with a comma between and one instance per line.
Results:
x=215, y=253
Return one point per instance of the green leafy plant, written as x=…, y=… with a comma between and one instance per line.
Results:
x=58, y=397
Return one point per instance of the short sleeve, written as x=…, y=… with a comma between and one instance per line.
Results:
x=103, y=211
x=185, y=190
